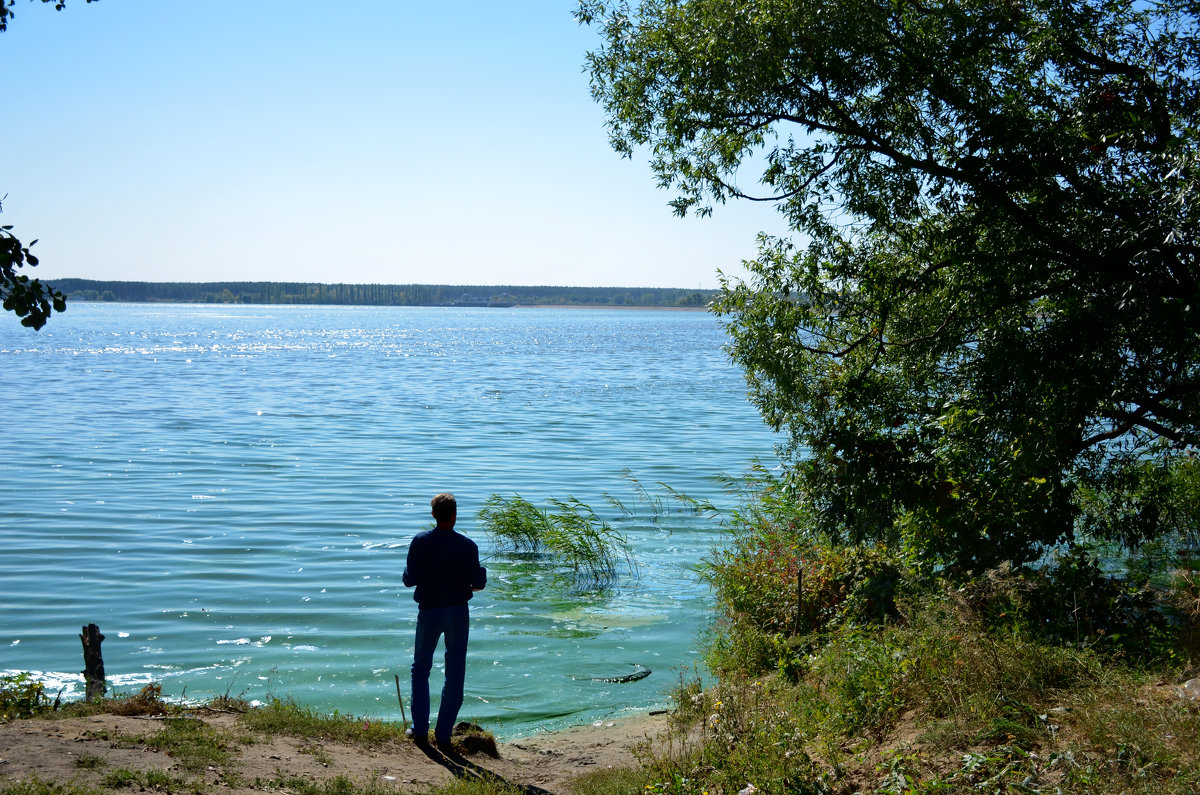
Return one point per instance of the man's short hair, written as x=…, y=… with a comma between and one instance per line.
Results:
x=444, y=506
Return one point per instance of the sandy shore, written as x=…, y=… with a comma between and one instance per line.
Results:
x=85, y=750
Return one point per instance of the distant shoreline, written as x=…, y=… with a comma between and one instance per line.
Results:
x=425, y=306
x=340, y=294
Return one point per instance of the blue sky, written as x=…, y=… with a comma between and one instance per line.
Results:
x=365, y=141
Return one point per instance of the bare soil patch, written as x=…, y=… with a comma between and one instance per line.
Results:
x=85, y=750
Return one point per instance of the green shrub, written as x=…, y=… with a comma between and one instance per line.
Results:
x=863, y=674
x=21, y=696
x=772, y=586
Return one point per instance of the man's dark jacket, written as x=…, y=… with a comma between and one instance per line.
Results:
x=444, y=565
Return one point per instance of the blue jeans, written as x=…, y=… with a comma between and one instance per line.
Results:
x=432, y=623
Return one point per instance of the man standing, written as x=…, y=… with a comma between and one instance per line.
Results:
x=444, y=566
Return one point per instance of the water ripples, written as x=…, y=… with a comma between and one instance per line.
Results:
x=229, y=493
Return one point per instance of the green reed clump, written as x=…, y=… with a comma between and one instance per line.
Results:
x=569, y=533
x=516, y=523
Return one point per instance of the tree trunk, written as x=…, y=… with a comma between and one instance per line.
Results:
x=93, y=662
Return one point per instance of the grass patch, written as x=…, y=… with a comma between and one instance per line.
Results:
x=285, y=717
x=90, y=762
x=192, y=743
x=123, y=778
x=338, y=785
x=35, y=786
x=613, y=781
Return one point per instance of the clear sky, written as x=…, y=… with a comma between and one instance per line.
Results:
x=387, y=141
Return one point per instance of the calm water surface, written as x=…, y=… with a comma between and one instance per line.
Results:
x=229, y=491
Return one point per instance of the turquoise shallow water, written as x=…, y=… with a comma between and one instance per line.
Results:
x=229, y=491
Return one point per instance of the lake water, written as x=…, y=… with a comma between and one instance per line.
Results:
x=228, y=492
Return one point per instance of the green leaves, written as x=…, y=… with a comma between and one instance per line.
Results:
x=27, y=298
x=988, y=293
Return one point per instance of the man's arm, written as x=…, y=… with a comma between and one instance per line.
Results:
x=479, y=580
x=409, y=576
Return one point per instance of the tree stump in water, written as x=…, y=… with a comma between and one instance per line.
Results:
x=93, y=662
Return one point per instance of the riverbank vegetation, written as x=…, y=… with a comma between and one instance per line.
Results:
x=977, y=568
x=856, y=668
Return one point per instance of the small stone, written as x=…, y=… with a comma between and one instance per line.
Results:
x=1190, y=689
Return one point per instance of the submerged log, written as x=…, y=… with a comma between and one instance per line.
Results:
x=93, y=662
x=620, y=680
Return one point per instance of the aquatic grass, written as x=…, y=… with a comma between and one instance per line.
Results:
x=654, y=504
x=515, y=522
x=571, y=535
x=702, y=507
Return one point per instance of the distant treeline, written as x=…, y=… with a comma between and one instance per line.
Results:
x=376, y=294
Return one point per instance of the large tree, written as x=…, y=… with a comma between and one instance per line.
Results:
x=29, y=299
x=990, y=302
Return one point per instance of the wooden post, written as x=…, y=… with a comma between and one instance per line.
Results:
x=401, y=699
x=93, y=662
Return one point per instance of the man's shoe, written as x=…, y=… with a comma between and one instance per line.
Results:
x=420, y=738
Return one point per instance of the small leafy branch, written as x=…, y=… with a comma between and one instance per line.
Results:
x=569, y=532
x=28, y=298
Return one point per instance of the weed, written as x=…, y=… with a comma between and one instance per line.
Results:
x=317, y=751
x=122, y=777
x=338, y=785
x=288, y=718
x=90, y=762
x=21, y=696
x=612, y=781
x=35, y=786
x=143, y=779
x=147, y=702
x=192, y=743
